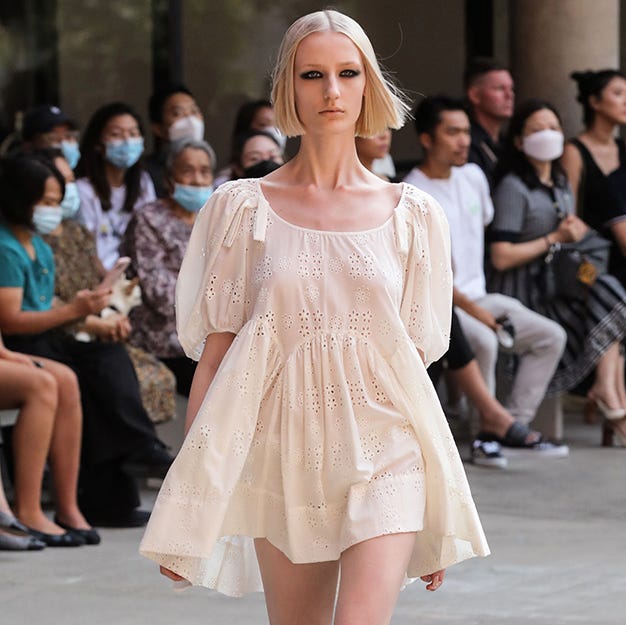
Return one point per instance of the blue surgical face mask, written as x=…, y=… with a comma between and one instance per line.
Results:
x=71, y=200
x=71, y=153
x=124, y=154
x=46, y=218
x=191, y=198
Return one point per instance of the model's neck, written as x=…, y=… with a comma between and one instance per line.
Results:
x=490, y=124
x=326, y=162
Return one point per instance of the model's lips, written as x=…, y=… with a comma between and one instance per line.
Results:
x=332, y=111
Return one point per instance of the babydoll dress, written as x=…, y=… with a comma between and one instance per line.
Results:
x=321, y=428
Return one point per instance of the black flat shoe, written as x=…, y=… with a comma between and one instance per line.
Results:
x=90, y=536
x=10, y=524
x=57, y=540
x=9, y=542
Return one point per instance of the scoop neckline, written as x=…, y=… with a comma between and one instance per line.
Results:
x=332, y=232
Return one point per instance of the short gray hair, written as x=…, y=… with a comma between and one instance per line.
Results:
x=177, y=147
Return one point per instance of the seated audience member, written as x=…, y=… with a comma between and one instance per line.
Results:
x=253, y=116
x=595, y=161
x=156, y=240
x=496, y=422
x=370, y=150
x=490, y=92
x=113, y=182
x=443, y=129
x=48, y=426
x=117, y=433
x=49, y=127
x=174, y=114
x=534, y=213
x=77, y=267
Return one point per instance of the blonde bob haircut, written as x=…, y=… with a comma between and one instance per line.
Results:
x=384, y=105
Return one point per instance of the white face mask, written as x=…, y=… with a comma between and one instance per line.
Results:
x=190, y=127
x=543, y=145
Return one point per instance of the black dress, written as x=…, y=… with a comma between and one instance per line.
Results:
x=601, y=201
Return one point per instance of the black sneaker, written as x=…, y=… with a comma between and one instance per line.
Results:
x=488, y=454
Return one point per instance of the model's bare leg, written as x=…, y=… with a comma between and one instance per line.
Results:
x=296, y=594
x=372, y=573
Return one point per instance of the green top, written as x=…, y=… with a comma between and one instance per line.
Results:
x=17, y=269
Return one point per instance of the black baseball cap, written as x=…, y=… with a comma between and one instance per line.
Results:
x=42, y=119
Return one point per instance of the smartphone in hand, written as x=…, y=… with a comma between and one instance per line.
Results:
x=115, y=273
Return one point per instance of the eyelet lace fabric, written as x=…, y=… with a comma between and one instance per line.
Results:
x=321, y=428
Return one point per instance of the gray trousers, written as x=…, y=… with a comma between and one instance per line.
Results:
x=539, y=343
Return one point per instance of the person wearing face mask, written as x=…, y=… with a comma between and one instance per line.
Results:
x=112, y=181
x=443, y=130
x=253, y=116
x=174, y=115
x=156, y=240
x=534, y=214
x=77, y=267
x=49, y=127
x=255, y=154
x=118, y=438
x=595, y=161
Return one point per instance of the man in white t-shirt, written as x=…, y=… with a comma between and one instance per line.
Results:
x=490, y=321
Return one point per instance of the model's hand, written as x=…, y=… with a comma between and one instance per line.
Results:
x=173, y=576
x=434, y=579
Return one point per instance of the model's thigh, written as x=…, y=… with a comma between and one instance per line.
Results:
x=296, y=594
x=372, y=574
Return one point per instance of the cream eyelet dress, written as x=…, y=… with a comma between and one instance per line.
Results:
x=321, y=428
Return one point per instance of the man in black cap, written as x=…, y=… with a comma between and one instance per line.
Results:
x=48, y=126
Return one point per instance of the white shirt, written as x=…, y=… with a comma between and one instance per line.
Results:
x=108, y=227
x=465, y=199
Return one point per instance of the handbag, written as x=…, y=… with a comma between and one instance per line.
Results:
x=569, y=269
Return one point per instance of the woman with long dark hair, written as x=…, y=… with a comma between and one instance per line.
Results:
x=112, y=181
x=534, y=214
x=595, y=161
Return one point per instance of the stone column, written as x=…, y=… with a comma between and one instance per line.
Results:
x=552, y=38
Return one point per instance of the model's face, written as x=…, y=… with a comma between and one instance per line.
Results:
x=451, y=141
x=371, y=148
x=494, y=95
x=258, y=149
x=120, y=127
x=329, y=82
x=263, y=119
x=193, y=167
x=612, y=101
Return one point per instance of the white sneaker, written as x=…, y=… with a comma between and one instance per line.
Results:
x=543, y=449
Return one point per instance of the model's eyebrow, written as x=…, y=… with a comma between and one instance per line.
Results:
x=342, y=64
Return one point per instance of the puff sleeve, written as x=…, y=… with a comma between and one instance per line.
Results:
x=211, y=291
x=426, y=306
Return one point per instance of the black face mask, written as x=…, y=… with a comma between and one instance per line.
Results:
x=258, y=170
